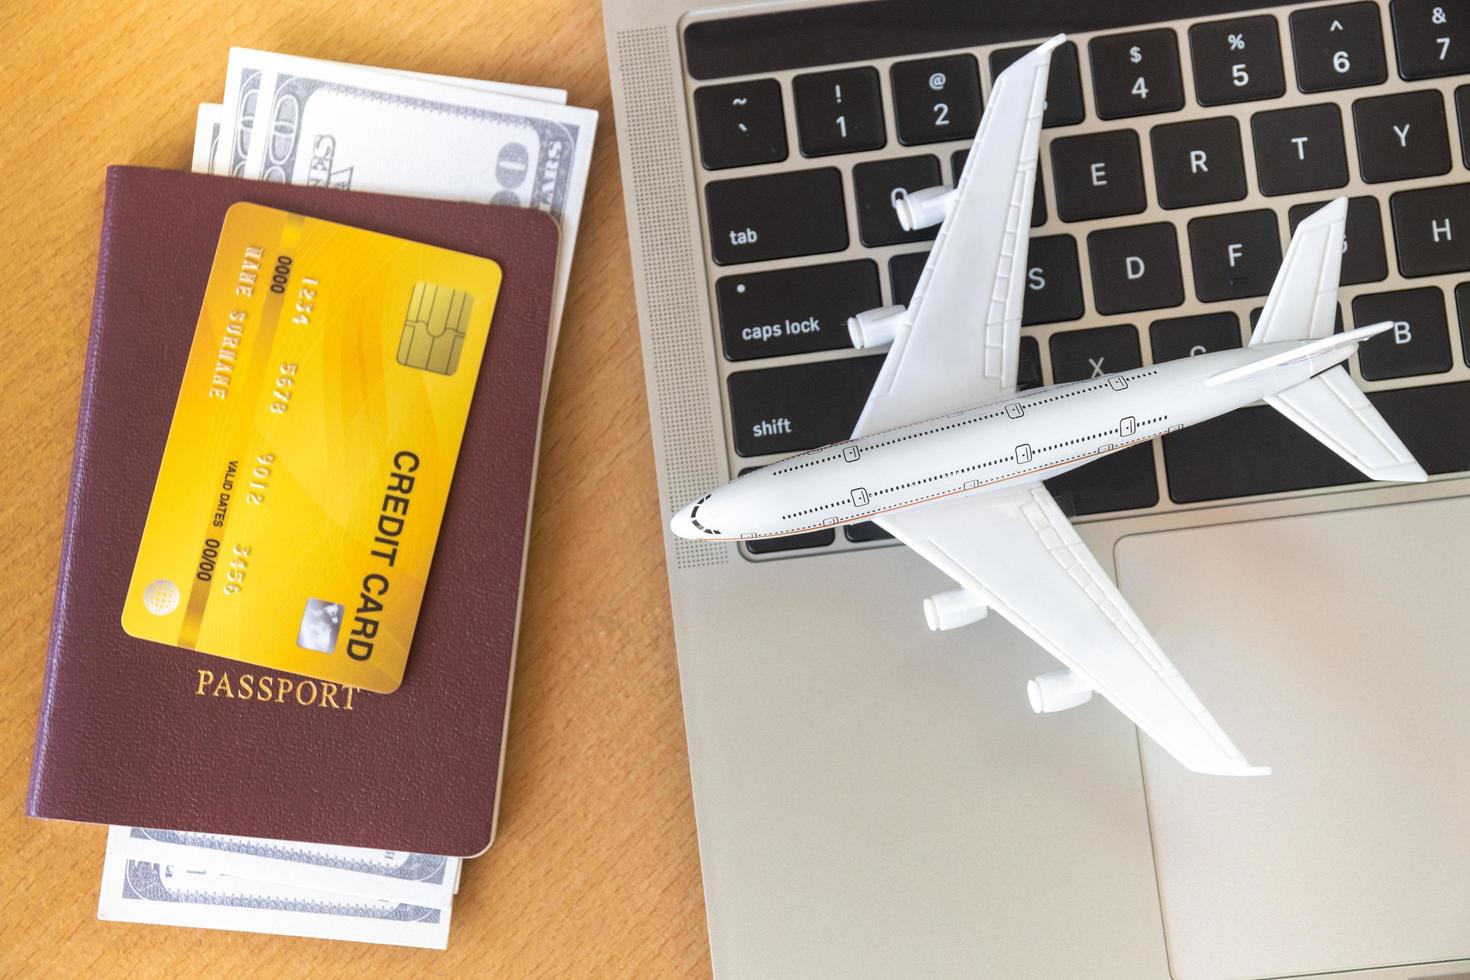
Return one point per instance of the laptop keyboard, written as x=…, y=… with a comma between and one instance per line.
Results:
x=1175, y=161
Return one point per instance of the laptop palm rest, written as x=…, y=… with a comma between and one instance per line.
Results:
x=1334, y=648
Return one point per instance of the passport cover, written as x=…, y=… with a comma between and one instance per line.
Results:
x=138, y=733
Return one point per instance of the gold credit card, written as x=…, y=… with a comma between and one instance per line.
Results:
x=312, y=447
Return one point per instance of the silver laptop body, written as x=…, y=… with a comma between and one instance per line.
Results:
x=875, y=800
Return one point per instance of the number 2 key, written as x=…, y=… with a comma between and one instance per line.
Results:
x=936, y=99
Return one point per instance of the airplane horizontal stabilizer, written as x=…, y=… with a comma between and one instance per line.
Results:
x=1337, y=414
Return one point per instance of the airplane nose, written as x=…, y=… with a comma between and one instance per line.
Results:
x=682, y=523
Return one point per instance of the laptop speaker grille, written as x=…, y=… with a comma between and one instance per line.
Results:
x=672, y=284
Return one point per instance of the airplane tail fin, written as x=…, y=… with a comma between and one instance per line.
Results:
x=1303, y=300
x=1303, y=307
x=1337, y=414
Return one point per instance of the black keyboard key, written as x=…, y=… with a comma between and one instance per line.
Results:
x=1432, y=37
x=776, y=216
x=1123, y=480
x=1363, y=259
x=791, y=542
x=1462, y=306
x=1236, y=60
x=1053, y=281
x=1038, y=195
x=1462, y=114
x=1431, y=229
x=1258, y=450
x=1402, y=136
x=878, y=184
x=865, y=531
x=936, y=99
x=790, y=409
x=1190, y=336
x=1198, y=162
x=838, y=112
x=1338, y=47
x=1247, y=452
x=1430, y=419
x=903, y=275
x=1079, y=355
x=1028, y=371
x=1299, y=149
x=1336, y=326
x=1234, y=255
x=1419, y=342
x=1136, y=74
x=1135, y=268
x=1098, y=176
x=794, y=311
x=741, y=124
x=1063, y=83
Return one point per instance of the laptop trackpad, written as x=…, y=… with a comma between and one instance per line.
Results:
x=1334, y=648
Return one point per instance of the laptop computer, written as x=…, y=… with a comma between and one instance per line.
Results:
x=876, y=800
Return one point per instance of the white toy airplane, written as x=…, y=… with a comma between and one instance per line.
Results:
x=949, y=457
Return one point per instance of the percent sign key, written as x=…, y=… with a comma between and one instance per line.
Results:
x=1237, y=60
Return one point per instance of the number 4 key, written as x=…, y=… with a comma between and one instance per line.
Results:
x=1136, y=74
x=1432, y=37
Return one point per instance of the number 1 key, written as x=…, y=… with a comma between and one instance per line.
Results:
x=838, y=112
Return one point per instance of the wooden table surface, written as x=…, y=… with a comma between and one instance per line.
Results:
x=595, y=871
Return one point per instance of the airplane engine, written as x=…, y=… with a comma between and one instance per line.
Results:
x=1057, y=691
x=925, y=208
x=949, y=610
x=874, y=328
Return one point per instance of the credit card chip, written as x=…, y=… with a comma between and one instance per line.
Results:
x=434, y=328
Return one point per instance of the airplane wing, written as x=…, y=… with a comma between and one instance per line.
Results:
x=1014, y=549
x=1303, y=300
x=962, y=345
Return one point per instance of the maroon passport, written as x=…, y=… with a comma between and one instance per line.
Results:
x=138, y=733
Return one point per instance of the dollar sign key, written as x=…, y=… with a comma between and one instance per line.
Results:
x=1135, y=55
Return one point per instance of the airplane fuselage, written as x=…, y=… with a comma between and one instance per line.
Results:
x=1030, y=435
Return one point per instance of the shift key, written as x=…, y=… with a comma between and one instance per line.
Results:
x=791, y=409
x=794, y=311
x=776, y=216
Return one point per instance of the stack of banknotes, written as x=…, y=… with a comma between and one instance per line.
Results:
x=306, y=121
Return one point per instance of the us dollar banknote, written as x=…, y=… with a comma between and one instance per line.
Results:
x=243, y=74
x=355, y=128
x=392, y=876
x=175, y=894
x=206, y=136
